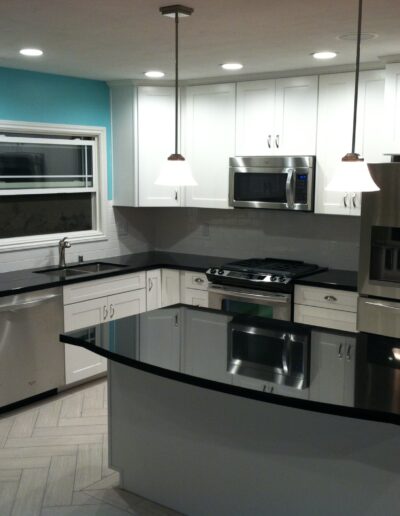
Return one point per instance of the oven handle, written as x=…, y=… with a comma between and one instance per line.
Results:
x=275, y=298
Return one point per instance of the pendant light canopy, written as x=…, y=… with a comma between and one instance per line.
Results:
x=352, y=174
x=175, y=171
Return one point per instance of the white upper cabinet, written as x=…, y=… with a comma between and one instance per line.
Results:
x=334, y=133
x=209, y=135
x=277, y=117
x=155, y=142
x=143, y=137
x=392, y=109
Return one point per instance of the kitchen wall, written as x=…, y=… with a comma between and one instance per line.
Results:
x=38, y=97
x=324, y=239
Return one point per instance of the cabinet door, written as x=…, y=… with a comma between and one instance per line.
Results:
x=155, y=142
x=85, y=313
x=153, y=289
x=126, y=304
x=255, y=108
x=296, y=115
x=392, y=109
x=210, y=142
x=335, y=118
x=327, y=367
x=205, y=353
x=160, y=338
x=81, y=364
x=170, y=287
x=196, y=297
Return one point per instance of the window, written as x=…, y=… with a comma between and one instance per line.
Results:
x=52, y=183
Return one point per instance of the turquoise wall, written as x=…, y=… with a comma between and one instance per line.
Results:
x=41, y=97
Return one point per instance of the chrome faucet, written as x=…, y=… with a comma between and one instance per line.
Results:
x=62, y=245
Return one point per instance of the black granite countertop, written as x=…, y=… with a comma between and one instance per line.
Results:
x=331, y=278
x=258, y=358
x=27, y=280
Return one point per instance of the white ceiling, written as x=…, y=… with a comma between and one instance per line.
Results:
x=120, y=39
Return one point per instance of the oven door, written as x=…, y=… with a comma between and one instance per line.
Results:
x=271, y=354
x=242, y=301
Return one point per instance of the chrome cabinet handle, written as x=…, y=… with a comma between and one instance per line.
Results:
x=176, y=320
x=277, y=141
x=112, y=311
x=105, y=312
x=340, y=354
x=150, y=284
x=176, y=195
x=348, y=352
x=269, y=141
x=199, y=280
x=331, y=299
x=353, y=200
x=345, y=196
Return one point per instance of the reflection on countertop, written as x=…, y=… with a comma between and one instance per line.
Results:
x=350, y=374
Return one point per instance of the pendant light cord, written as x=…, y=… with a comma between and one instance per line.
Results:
x=176, y=81
x=353, y=145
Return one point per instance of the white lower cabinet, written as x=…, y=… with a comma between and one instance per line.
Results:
x=205, y=352
x=328, y=308
x=81, y=363
x=153, y=289
x=160, y=338
x=170, y=287
x=194, y=288
x=332, y=368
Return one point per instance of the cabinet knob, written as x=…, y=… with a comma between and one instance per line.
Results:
x=176, y=195
x=340, y=354
x=345, y=196
x=105, y=312
x=331, y=299
x=269, y=141
x=348, y=352
x=353, y=200
x=277, y=141
x=150, y=284
x=199, y=280
x=112, y=311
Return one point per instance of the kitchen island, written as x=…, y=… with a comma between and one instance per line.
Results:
x=211, y=413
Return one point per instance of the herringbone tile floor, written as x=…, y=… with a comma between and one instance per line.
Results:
x=54, y=456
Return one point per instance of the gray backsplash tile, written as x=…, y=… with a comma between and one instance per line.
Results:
x=331, y=241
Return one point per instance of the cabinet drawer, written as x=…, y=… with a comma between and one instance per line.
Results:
x=196, y=280
x=87, y=313
x=196, y=297
x=326, y=298
x=325, y=317
x=103, y=287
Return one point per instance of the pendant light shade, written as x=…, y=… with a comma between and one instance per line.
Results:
x=175, y=171
x=352, y=174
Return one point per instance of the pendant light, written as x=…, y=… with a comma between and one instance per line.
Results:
x=352, y=174
x=175, y=171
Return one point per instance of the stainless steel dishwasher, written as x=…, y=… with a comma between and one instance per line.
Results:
x=31, y=356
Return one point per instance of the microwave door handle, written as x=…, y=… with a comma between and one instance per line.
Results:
x=290, y=188
x=285, y=353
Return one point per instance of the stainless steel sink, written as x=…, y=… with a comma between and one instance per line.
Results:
x=76, y=270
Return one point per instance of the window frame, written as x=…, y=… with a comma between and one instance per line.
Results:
x=99, y=189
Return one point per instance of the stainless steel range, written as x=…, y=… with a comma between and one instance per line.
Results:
x=258, y=286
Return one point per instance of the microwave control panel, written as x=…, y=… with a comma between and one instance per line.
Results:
x=301, y=186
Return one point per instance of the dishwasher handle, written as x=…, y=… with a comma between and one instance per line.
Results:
x=14, y=307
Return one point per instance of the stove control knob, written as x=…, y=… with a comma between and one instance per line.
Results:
x=282, y=279
x=273, y=278
x=213, y=271
x=221, y=272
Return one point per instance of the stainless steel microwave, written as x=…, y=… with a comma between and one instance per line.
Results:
x=273, y=182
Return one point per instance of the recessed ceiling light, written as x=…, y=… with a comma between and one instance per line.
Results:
x=326, y=54
x=154, y=74
x=31, y=52
x=352, y=36
x=232, y=66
